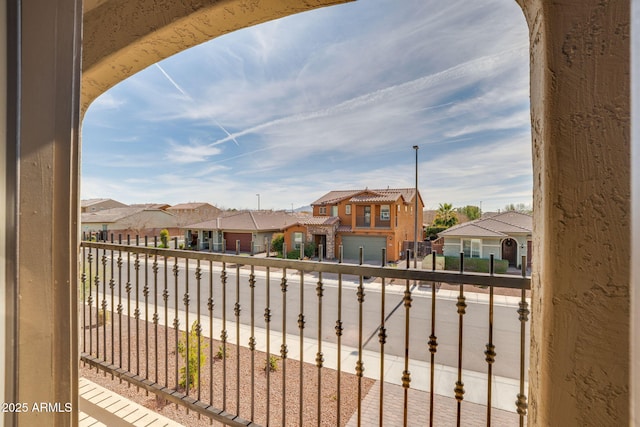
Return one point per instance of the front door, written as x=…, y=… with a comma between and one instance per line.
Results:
x=510, y=252
x=320, y=239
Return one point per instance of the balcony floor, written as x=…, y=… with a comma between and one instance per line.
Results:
x=101, y=407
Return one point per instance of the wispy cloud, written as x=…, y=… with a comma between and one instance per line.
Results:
x=190, y=153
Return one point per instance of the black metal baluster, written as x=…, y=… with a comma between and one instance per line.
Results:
x=210, y=306
x=319, y=355
x=433, y=344
x=301, y=323
x=523, y=316
x=96, y=281
x=237, y=310
x=187, y=326
x=339, y=329
x=112, y=285
x=104, y=305
x=120, y=307
x=165, y=299
x=156, y=318
x=406, y=375
x=283, y=346
x=490, y=352
x=223, y=334
x=267, y=321
x=145, y=293
x=359, y=364
x=198, y=329
x=136, y=313
x=176, y=320
x=128, y=289
x=252, y=340
x=461, y=306
x=85, y=303
x=382, y=338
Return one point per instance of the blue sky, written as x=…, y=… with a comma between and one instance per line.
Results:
x=332, y=99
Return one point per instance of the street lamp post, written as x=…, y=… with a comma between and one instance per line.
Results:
x=415, y=216
x=258, y=194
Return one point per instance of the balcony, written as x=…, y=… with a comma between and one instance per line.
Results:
x=363, y=221
x=292, y=342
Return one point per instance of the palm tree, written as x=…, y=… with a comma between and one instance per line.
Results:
x=445, y=216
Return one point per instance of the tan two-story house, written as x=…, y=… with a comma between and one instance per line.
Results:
x=371, y=219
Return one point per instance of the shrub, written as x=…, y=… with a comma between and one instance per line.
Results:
x=309, y=251
x=221, y=353
x=194, y=358
x=278, y=243
x=479, y=265
x=272, y=364
x=164, y=238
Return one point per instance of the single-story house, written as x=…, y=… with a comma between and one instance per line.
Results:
x=371, y=219
x=127, y=220
x=253, y=229
x=95, y=205
x=506, y=235
x=193, y=212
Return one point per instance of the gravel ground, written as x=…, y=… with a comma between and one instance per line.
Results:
x=250, y=381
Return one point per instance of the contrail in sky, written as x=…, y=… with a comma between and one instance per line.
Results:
x=177, y=86
x=474, y=67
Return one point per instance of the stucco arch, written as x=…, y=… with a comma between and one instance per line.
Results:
x=580, y=358
x=122, y=37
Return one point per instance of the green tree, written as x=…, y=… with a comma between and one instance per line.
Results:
x=519, y=207
x=445, y=216
x=470, y=211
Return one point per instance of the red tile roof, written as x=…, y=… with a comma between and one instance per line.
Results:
x=366, y=196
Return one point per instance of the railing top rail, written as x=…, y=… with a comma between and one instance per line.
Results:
x=470, y=278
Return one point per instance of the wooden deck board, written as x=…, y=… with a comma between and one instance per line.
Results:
x=101, y=407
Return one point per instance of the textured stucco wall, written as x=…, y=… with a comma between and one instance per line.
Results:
x=580, y=99
x=122, y=37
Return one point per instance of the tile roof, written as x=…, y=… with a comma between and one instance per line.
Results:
x=366, y=196
x=319, y=220
x=191, y=205
x=498, y=225
x=250, y=221
x=90, y=202
x=113, y=214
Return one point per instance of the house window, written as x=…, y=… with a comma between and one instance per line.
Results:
x=334, y=211
x=297, y=239
x=385, y=212
x=471, y=248
x=323, y=210
x=347, y=209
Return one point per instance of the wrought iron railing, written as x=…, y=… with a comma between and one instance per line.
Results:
x=140, y=301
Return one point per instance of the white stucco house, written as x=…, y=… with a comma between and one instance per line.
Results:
x=506, y=235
